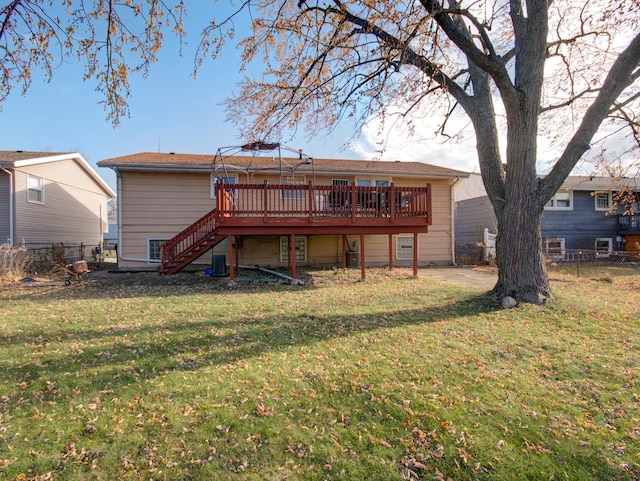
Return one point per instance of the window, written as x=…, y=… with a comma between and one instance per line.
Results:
x=342, y=182
x=563, y=200
x=293, y=193
x=603, y=247
x=300, y=249
x=603, y=201
x=404, y=247
x=35, y=189
x=554, y=248
x=153, y=249
x=232, y=179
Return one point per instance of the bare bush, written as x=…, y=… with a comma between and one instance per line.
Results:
x=13, y=262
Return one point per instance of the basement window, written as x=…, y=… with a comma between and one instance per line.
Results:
x=300, y=249
x=404, y=247
x=153, y=249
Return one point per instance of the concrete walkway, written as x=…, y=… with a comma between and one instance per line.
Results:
x=461, y=276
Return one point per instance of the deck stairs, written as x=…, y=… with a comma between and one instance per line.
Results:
x=191, y=243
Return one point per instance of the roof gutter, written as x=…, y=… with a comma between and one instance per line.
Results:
x=11, y=204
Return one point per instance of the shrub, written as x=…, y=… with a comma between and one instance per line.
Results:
x=13, y=262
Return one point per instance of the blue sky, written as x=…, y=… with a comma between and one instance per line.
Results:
x=172, y=112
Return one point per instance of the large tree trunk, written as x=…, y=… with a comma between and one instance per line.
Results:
x=522, y=273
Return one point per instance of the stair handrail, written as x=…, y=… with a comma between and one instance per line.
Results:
x=192, y=235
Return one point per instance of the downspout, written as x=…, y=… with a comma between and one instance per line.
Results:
x=120, y=248
x=453, y=222
x=11, y=203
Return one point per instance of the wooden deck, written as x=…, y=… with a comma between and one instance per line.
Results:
x=306, y=209
x=250, y=209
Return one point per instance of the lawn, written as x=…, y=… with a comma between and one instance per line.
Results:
x=395, y=378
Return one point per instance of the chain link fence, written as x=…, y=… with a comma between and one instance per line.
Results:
x=44, y=258
x=589, y=263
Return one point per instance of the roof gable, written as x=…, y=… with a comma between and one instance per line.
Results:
x=18, y=158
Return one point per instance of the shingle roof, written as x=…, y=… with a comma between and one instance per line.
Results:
x=18, y=155
x=18, y=158
x=593, y=183
x=175, y=161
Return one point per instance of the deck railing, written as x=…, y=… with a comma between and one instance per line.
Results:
x=630, y=223
x=313, y=201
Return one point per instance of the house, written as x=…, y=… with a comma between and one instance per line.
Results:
x=280, y=212
x=48, y=197
x=585, y=214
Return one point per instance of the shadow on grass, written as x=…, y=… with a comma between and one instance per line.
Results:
x=160, y=347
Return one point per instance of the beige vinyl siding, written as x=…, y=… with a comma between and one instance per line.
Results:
x=159, y=205
x=73, y=210
x=5, y=203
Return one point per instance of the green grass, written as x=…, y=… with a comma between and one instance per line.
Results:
x=185, y=377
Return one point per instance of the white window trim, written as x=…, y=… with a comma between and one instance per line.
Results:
x=149, y=240
x=603, y=209
x=41, y=190
x=213, y=183
x=372, y=181
x=400, y=248
x=603, y=254
x=294, y=194
x=553, y=201
x=554, y=255
x=284, y=242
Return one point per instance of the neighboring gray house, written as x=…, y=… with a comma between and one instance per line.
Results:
x=582, y=215
x=48, y=197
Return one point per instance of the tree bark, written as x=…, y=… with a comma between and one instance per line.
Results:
x=522, y=272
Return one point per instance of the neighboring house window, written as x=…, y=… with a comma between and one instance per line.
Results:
x=554, y=248
x=603, y=201
x=293, y=193
x=603, y=247
x=563, y=200
x=35, y=189
x=232, y=179
x=404, y=247
x=153, y=249
x=300, y=249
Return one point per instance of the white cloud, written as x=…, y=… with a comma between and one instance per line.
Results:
x=397, y=142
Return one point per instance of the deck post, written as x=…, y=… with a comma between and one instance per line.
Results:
x=344, y=251
x=237, y=249
x=292, y=254
x=362, y=272
x=390, y=252
x=265, y=199
x=311, y=202
x=353, y=201
x=391, y=202
x=415, y=253
x=230, y=244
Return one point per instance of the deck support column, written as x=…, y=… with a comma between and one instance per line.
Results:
x=362, y=260
x=390, y=252
x=415, y=253
x=344, y=251
x=292, y=254
x=237, y=250
x=231, y=253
